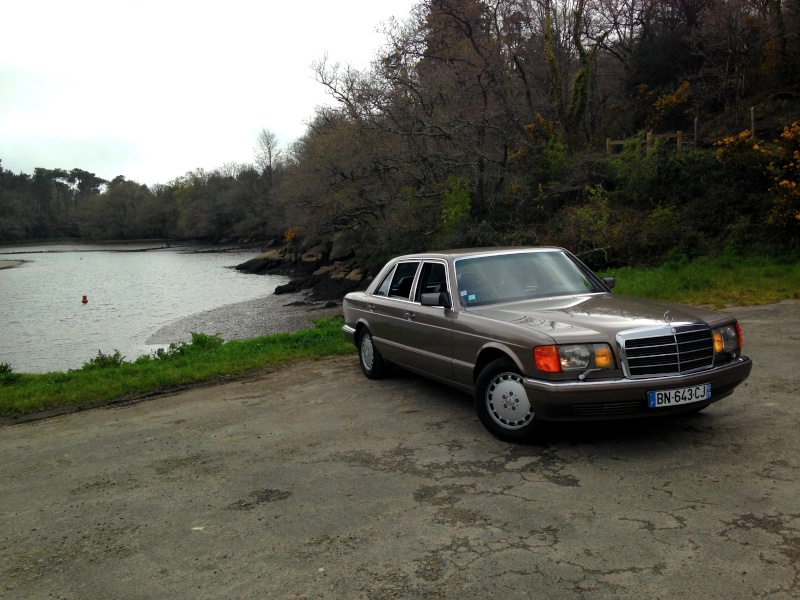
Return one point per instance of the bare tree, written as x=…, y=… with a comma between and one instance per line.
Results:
x=268, y=154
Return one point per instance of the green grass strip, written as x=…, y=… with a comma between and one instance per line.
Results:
x=713, y=282
x=207, y=358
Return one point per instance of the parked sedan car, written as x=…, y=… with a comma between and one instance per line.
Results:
x=535, y=336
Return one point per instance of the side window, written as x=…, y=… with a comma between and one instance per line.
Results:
x=383, y=289
x=432, y=280
x=402, y=280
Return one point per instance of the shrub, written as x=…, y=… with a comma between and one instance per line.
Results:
x=174, y=349
x=104, y=361
x=771, y=171
x=201, y=341
x=7, y=374
x=456, y=204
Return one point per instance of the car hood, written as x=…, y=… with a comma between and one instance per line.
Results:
x=592, y=315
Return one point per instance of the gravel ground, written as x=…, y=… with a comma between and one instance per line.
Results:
x=285, y=313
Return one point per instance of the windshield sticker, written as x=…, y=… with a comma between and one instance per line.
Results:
x=463, y=292
x=471, y=298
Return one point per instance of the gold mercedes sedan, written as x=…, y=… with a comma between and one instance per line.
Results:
x=534, y=335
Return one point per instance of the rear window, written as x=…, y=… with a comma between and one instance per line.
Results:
x=398, y=283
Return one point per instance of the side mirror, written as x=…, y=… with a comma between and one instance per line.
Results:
x=610, y=282
x=436, y=299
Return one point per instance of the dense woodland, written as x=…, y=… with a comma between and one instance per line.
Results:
x=484, y=122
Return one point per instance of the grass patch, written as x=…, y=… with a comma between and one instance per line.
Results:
x=108, y=377
x=726, y=280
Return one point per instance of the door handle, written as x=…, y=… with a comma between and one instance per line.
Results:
x=371, y=307
x=410, y=315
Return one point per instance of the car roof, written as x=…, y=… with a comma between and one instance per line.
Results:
x=472, y=252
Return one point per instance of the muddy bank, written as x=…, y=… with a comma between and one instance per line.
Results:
x=284, y=313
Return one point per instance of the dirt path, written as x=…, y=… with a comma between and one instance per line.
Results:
x=314, y=482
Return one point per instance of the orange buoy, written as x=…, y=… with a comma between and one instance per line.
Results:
x=85, y=300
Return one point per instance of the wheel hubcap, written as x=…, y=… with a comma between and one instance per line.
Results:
x=367, y=352
x=507, y=401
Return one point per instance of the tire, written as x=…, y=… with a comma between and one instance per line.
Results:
x=369, y=358
x=502, y=403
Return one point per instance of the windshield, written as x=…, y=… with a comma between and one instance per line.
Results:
x=516, y=276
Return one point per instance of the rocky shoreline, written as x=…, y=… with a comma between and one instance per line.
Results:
x=327, y=276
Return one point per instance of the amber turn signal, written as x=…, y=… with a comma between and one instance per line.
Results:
x=719, y=343
x=546, y=359
x=603, y=359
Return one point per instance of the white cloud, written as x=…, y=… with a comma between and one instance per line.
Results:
x=152, y=90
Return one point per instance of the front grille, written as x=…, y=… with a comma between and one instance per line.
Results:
x=667, y=350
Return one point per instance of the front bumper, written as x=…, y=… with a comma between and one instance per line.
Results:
x=627, y=398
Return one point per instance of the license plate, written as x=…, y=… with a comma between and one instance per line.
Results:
x=677, y=397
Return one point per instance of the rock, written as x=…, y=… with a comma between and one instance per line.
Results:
x=326, y=288
x=328, y=280
x=272, y=260
x=332, y=269
x=344, y=246
x=325, y=269
x=275, y=254
x=313, y=254
x=286, y=288
x=256, y=266
x=342, y=252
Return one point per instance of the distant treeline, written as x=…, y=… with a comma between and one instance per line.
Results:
x=484, y=123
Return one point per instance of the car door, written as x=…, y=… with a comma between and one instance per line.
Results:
x=388, y=310
x=427, y=334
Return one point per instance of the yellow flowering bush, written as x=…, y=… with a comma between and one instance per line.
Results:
x=785, y=168
x=291, y=234
x=778, y=162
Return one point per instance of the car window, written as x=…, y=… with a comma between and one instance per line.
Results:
x=400, y=281
x=432, y=279
x=383, y=288
x=515, y=276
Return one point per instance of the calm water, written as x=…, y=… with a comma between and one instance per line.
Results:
x=45, y=327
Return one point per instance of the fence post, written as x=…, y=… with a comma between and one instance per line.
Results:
x=608, y=146
x=680, y=142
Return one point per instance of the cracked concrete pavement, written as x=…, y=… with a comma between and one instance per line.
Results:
x=313, y=482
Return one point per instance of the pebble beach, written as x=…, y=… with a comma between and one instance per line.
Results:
x=285, y=313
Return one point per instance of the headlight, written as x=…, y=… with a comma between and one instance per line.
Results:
x=728, y=339
x=573, y=357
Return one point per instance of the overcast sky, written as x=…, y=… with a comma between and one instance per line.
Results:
x=151, y=90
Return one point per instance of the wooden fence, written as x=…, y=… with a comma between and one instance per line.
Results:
x=678, y=136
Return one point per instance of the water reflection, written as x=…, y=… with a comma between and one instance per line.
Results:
x=132, y=291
